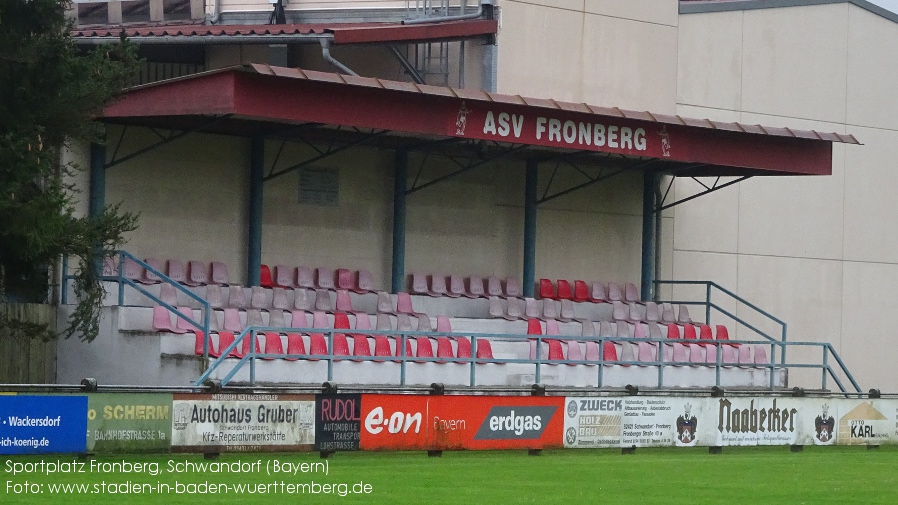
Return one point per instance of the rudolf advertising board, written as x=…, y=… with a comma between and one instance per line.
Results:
x=242, y=422
x=409, y=422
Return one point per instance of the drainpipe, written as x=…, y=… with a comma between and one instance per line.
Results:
x=459, y=17
x=217, y=13
x=326, y=54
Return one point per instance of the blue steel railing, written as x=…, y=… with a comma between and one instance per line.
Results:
x=710, y=306
x=123, y=281
x=401, y=337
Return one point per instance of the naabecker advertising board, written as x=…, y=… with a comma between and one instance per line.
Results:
x=129, y=422
x=405, y=422
x=43, y=424
x=242, y=422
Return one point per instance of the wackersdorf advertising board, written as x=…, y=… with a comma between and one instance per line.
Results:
x=405, y=422
x=43, y=424
x=232, y=422
x=129, y=422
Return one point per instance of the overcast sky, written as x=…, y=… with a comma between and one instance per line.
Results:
x=892, y=5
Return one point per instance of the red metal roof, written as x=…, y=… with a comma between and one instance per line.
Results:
x=276, y=94
x=343, y=33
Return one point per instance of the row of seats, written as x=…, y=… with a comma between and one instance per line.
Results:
x=595, y=291
x=197, y=273
x=456, y=286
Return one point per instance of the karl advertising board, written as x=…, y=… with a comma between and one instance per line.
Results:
x=230, y=422
x=405, y=422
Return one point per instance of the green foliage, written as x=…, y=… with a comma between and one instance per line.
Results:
x=49, y=93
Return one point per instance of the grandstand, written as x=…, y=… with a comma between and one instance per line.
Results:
x=302, y=226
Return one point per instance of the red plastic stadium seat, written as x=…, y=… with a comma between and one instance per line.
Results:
x=341, y=321
x=225, y=339
x=246, y=343
x=689, y=332
x=360, y=345
x=444, y=348
x=341, y=345
x=556, y=352
x=273, y=344
x=673, y=331
x=317, y=345
x=295, y=345
x=198, y=344
x=265, y=276
x=724, y=334
x=704, y=333
x=382, y=346
x=581, y=291
x=424, y=347
x=609, y=352
x=546, y=289
x=464, y=348
x=534, y=327
x=484, y=350
x=564, y=290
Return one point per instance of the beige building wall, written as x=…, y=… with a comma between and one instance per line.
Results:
x=603, y=52
x=818, y=252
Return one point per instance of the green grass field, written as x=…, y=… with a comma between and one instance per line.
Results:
x=768, y=475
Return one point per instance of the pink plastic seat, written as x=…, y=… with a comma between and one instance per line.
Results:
x=301, y=299
x=761, y=356
x=744, y=356
x=456, y=286
x=631, y=292
x=323, y=300
x=652, y=312
x=265, y=279
x=696, y=354
x=176, y=271
x=254, y=318
x=683, y=316
x=259, y=298
x=515, y=309
x=133, y=270
x=299, y=319
x=220, y=273
x=574, y=353
x=494, y=287
x=279, y=299
x=639, y=331
x=324, y=278
x=285, y=276
x=512, y=287
x=605, y=329
x=550, y=309
x=495, y=308
x=150, y=277
x=304, y=278
x=168, y=294
x=295, y=345
x=475, y=287
x=667, y=313
x=214, y=296
x=564, y=290
x=592, y=353
x=419, y=283
x=615, y=293
x=273, y=344
x=364, y=282
x=711, y=354
x=438, y=285
x=581, y=291
x=546, y=289
x=183, y=324
x=236, y=297
x=162, y=320
x=319, y=320
x=362, y=321
x=598, y=293
x=345, y=279
x=680, y=354
x=635, y=312
x=624, y=330
x=344, y=302
x=619, y=311
x=646, y=352
x=232, y=321
x=404, y=303
x=110, y=268
x=728, y=355
x=655, y=331
x=552, y=327
x=276, y=318
x=533, y=307
x=197, y=274
x=384, y=303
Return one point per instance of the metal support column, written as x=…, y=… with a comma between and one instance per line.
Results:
x=530, y=197
x=399, y=197
x=649, y=183
x=97, y=197
x=97, y=179
x=254, y=238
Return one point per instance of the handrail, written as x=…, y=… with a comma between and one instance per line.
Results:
x=122, y=281
x=710, y=285
x=252, y=332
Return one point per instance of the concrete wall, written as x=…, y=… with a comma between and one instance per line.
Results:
x=817, y=252
x=192, y=198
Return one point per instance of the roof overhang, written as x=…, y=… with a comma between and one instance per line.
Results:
x=339, y=33
x=254, y=98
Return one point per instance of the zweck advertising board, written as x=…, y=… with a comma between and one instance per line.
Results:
x=242, y=422
x=404, y=422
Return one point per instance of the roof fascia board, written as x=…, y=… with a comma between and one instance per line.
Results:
x=744, y=5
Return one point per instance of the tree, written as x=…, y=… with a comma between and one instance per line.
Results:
x=50, y=91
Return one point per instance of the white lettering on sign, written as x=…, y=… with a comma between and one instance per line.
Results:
x=568, y=132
